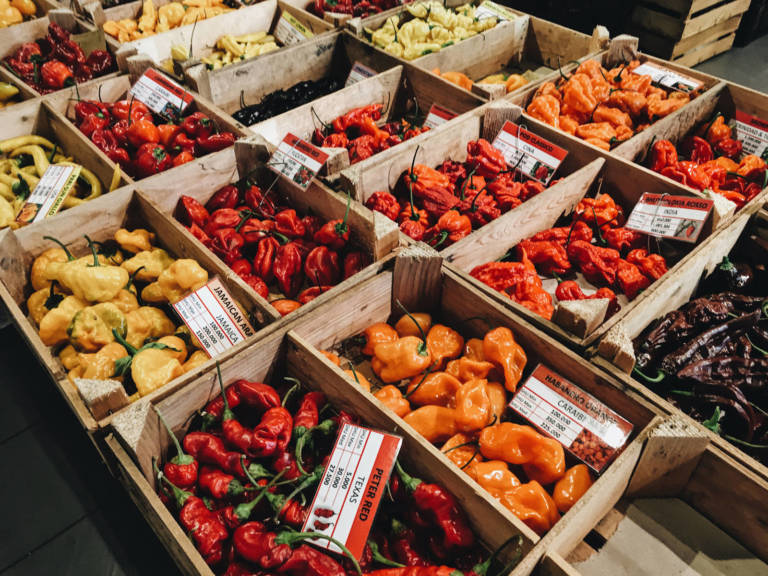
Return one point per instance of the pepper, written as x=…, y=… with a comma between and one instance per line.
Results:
x=499, y=346
x=354, y=262
x=219, y=484
x=688, y=173
x=462, y=450
x=322, y=266
x=335, y=233
x=579, y=230
x=472, y=406
x=56, y=75
x=413, y=324
x=431, y=188
x=151, y=159
x=141, y=132
x=571, y=487
x=214, y=142
x=437, y=388
x=443, y=344
x=197, y=125
x=600, y=211
x=548, y=256
x=436, y=503
x=542, y=458
x=287, y=268
x=289, y=224
x=484, y=159
x=531, y=503
x=700, y=150
x=189, y=211
x=652, y=265
x=393, y=399
x=546, y=108
x=570, y=290
x=451, y=227
x=434, y=423
x=375, y=334
x=385, y=203
x=622, y=239
x=466, y=369
x=599, y=265
x=227, y=244
x=403, y=358
x=272, y=434
x=716, y=130
x=578, y=95
x=406, y=545
x=285, y=306
x=630, y=279
x=182, y=469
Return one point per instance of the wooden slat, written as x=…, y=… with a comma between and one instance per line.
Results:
x=708, y=51
x=706, y=36
x=715, y=16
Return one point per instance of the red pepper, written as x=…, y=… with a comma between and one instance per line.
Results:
x=309, y=294
x=699, y=150
x=142, y=131
x=92, y=122
x=322, y=266
x=56, y=75
x=728, y=147
x=265, y=258
x=361, y=148
x=622, y=239
x=688, y=173
x=227, y=244
x=354, y=261
x=197, y=125
x=631, y=280
x=209, y=449
x=599, y=265
x=272, y=434
x=570, y=290
x=254, y=230
x=257, y=284
x=548, y=256
x=413, y=229
x=213, y=143
x=28, y=53
x=663, y=154
x=182, y=469
x=285, y=462
x=257, y=395
x=335, y=233
x=652, y=265
x=241, y=267
x=335, y=140
x=484, y=159
x=215, y=408
x=289, y=224
x=100, y=62
x=130, y=110
x=222, y=218
x=287, y=268
x=200, y=234
x=219, y=484
x=259, y=202
x=385, y=203
x=151, y=159
x=450, y=228
x=405, y=545
x=580, y=230
x=189, y=211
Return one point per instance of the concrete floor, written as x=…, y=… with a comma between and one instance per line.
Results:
x=62, y=513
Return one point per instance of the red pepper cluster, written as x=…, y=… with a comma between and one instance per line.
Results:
x=361, y=8
x=443, y=205
x=268, y=244
x=358, y=132
x=143, y=145
x=595, y=243
x=714, y=161
x=242, y=485
x=55, y=62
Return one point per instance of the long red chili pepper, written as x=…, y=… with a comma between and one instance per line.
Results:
x=235, y=434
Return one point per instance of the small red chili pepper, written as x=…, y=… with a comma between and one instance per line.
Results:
x=213, y=143
x=226, y=197
x=287, y=268
x=335, y=233
x=197, y=125
x=273, y=433
x=189, y=211
x=182, y=469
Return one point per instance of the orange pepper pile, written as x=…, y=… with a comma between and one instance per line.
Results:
x=604, y=107
x=455, y=394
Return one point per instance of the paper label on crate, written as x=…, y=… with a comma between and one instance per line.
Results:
x=665, y=216
x=161, y=95
x=290, y=31
x=532, y=155
x=214, y=317
x=667, y=78
x=585, y=427
x=352, y=486
x=359, y=72
x=90, y=41
x=752, y=132
x=490, y=9
x=437, y=116
x=49, y=194
x=297, y=160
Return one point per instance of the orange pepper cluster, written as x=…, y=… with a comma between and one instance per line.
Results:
x=714, y=161
x=595, y=243
x=455, y=393
x=604, y=107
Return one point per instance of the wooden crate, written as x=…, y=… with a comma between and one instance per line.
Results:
x=38, y=117
x=327, y=56
x=372, y=232
x=138, y=436
x=117, y=88
x=399, y=90
x=687, y=31
x=536, y=48
x=621, y=49
x=100, y=219
x=615, y=352
x=676, y=463
x=422, y=283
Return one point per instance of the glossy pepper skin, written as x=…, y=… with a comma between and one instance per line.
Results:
x=288, y=268
x=571, y=487
x=321, y=266
x=542, y=458
x=403, y=358
x=500, y=347
x=599, y=265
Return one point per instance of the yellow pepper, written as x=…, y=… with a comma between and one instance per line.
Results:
x=152, y=368
x=70, y=358
x=125, y=301
x=147, y=323
x=53, y=326
x=147, y=265
x=358, y=379
x=179, y=279
x=195, y=360
x=38, y=276
x=101, y=365
x=134, y=241
x=91, y=328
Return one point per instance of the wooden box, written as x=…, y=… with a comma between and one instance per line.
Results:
x=372, y=232
x=327, y=56
x=687, y=31
x=37, y=117
x=99, y=219
x=421, y=283
x=623, y=49
x=138, y=437
x=653, y=508
x=401, y=90
x=536, y=50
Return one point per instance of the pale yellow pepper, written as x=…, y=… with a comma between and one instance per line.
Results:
x=152, y=368
x=149, y=264
x=134, y=241
x=53, y=326
x=147, y=323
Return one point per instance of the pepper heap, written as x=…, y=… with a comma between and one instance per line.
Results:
x=709, y=357
x=714, y=162
x=55, y=62
x=455, y=393
x=604, y=107
x=271, y=247
x=102, y=324
x=360, y=8
x=281, y=101
x=144, y=144
x=595, y=244
x=443, y=205
x=359, y=133
x=242, y=484
x=16, y=11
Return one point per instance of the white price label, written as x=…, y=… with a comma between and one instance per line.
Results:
x=667, y=78
x=490, y=9
x=678, y=217
x=49, y=194
x=359, y=72
x=752, y=132
x=532, y=155
x=297, y=160
x=214, y=317
x=350, y=491
x=438, y=116
x=161, y=95
x=290, y=31
x=580, y=422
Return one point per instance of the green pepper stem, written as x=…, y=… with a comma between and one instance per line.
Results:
x=745, y=443
x=423, y=347
x=181, y=457
x=132, y=277
x=653, y=380
x=227, y=414
x=293, y=537
x=92, y=246
x=180, y=495
x=379, y=558
x=426, y=373
x=291, y=390
x=410, y=482
x=243, y=511
x=62, y=246
x=120, y=340
x=462, y=445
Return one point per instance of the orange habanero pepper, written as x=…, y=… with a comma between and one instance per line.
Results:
x=499, y=347
x=531, y=503
x=545, y=108
x=494, y=476
x=717, y=130
x=571, y=487
x=406, y=326
x=435, y=423
x=473, y=406
x=543, y=458
x=444, y=343
x=376, y=334
x=404, y=358
x=473, y=349
x=462, y=450
x=498, y=396
x=359, y=379
x=597, y=130
x=433, y=388
x=331, y=356
x=393, y=399
x=466, y=369
x=578, y=94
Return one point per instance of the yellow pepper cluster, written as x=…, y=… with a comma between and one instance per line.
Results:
x=155, y=20
x=16, y=11
x=104, y=326
x=432, y=28
x=231, y=49
x=8, y=93
x=23, y=161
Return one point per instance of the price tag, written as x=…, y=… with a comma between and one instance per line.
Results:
x=214, y=317
x=490, y=9
x=359, y=72
x=752, y=132
x=297, y=160
x=350, y=491
x=667, y=78
x=161, y=95
x=678, y=217
x=532, y=155
x=290, y=31
x=47, y=197
x=580, y=422
x=437, y=116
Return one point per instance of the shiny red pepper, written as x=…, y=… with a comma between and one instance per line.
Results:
x=354, y=261
x=226, y=197
x=287, y=268
x=227, y=244
x=321, y=266
x=385, y=203
x=214, y=142
x=288, y=223
x=197, y=125
x=189, y=211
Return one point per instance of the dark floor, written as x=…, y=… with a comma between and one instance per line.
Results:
x=62, y=513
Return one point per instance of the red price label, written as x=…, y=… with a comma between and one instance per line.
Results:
x=677, y=217
x=297, y=160
x=534, y=156
x=437, y=116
